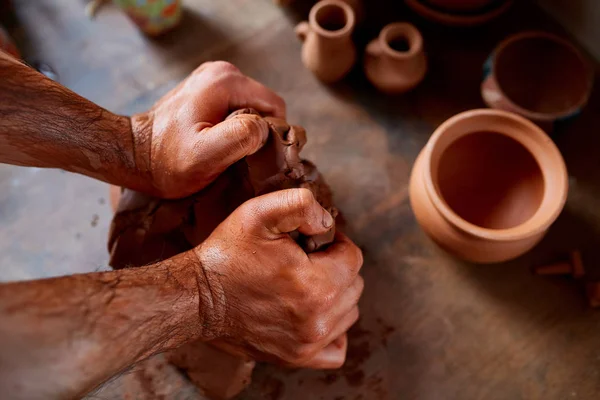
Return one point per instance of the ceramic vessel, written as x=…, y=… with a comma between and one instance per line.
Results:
x=538, y=75
x=488, y=185
x=452, y=15
x=328, y=50
x=153, y=17
x=395, y=61
x=461, y=5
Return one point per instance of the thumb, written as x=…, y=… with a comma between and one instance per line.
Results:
x=288, y=210
x=233, y=139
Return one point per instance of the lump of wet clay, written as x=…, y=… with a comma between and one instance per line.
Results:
x=147, y=229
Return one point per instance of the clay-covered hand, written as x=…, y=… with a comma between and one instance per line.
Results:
x=268, y=299
x=182, y=143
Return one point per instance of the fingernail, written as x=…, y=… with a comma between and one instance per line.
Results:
x=327, y=220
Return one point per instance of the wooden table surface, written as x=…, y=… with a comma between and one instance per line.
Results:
x=432, y=327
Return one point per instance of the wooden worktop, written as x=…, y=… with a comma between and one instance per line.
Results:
x=432, y=327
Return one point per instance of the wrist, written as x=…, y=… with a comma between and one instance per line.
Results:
x=212, y=301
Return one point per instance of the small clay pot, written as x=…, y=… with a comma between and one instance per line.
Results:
x=488, y=185
x=395, y=61
x=538, y=75
x=328, y=50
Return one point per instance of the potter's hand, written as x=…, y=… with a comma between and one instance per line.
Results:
x=181, y=142
x=270, y=300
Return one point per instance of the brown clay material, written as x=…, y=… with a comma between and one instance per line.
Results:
x=146, y=229
x=488, y=185
x=574, y=267
x=328, y=50
x=592, y=290
x=456, y=17
x=577, y=264
x=219, y=374
x=538, y=75
x=395, y=61
x=554, y=269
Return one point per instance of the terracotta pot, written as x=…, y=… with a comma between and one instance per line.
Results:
x=488, y=185
x=395, y=62
x=455, y=17
x=538, y=75
x=328, y=50
x=460, y=5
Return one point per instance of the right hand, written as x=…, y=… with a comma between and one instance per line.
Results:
x=268, y=299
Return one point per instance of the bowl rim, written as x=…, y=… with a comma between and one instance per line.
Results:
x=348, y=12
x=536, y=142
x=504, y=44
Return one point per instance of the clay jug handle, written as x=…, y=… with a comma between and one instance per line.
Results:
x=302, y=30
x=373, y=48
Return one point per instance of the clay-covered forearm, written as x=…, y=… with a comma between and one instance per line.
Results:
x=62, y=337
x=44, y=124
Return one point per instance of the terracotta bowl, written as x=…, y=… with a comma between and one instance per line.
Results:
x=452, y=15
x=460, y=5
x=488, y=185
x=538, y=75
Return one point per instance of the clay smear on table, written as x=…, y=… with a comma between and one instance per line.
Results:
x=146, y=229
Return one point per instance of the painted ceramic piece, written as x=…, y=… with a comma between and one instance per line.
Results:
x=538, y=75
x=153, y=17
x=455, y=18
x=395, y=61
x=328, y=50
x=488, y=185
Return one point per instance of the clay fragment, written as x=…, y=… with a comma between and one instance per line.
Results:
x=146, y=229
x=573, y=267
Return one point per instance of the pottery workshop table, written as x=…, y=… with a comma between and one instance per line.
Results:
x=431, y=327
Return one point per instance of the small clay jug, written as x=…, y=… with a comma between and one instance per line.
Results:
x=395, y=61
x=488, y=185
x=328, y=50
x=538, y=75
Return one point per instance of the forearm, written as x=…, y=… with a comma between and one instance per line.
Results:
x=62, y=337
x=44, y=124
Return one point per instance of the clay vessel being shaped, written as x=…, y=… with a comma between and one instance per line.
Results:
x=395, y=61
x=328, y=50
x=488, y=185
x=538, y=75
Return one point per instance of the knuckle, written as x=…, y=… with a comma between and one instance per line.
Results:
x=358, y=258
x=223, y=67
x=315, y=331
x=300, y=199
x=300, y=353
x=360, y=286
x=246, y=129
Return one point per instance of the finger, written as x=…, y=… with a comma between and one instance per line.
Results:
x=288, y=210
x=342, y=259
x=225, y=143
x=332, y=356
x=247, y=92
x=348, y=301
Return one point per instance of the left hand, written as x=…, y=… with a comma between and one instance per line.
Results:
x=183, y=143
